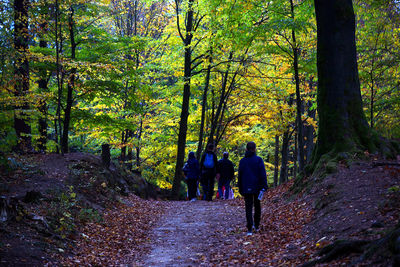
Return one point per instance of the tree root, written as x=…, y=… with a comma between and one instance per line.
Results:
x=367, y=249
x=337, y=249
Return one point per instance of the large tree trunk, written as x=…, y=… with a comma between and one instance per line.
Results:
x=185, y=102
x=342, y=123
x=21, y=45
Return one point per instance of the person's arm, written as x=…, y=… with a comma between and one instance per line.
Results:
x=232, y=171
x=201, y=162
x=215, y=162
x=263, y=175
x=197, y=166
x=240, y=180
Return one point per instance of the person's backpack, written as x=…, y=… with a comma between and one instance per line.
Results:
x=209, y=161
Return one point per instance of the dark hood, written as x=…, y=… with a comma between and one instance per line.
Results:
x=249, y=154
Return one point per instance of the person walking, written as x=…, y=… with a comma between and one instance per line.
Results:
x=225, y=174
x=208, y=170
x=252, y=178
x=191, y=170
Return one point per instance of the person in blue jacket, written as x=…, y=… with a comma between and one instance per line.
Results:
x=208, y=170
x=252, y=178
x=191, y=170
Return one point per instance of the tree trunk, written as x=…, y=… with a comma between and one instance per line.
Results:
x=216, y=118
x=285, y=150
x=71, y=83
x=203, y=111
x=138, y=137
x=59, y=82
x=21, y=71
x=342, y=123
x=295, y=156
x=123, y=148
x=276, y=168
x=309, y=133
x=43, y=87
x=105, y=155
x=185, y=103
x=300, y=138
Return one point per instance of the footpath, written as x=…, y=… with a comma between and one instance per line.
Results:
x=189, y=231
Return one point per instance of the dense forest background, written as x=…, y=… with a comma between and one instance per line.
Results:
x=157, y=79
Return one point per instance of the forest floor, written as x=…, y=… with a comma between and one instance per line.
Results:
x=359, y=202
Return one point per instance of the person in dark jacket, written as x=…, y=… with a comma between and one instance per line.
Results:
x=252, y=178
x=225, y=174
x=208, y=170
x=191, y=171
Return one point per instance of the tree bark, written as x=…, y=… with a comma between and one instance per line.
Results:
x=300, y=138
x=309, y=133
x=185, y=103
x=57, y=120
x=285, y=150
x=276, y=168
x=105, y=155
x=21, y=71
x=342, y=123
x=43, y=87
x=203, y=111
x=224, y=94
x=71, y=83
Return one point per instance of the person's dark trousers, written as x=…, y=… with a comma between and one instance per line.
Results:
x=210, y=187
x=205, y=189
x=250, y=200
x=227, y=188
x=226, y=184
x=192, y=188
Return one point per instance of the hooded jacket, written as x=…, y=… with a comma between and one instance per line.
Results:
x=252, y=176
x=192, y=168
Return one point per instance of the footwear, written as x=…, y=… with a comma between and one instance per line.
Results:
x=256, y=229
x=193, y=200
x=249, y=233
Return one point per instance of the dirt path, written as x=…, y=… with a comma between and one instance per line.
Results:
x=190, y=230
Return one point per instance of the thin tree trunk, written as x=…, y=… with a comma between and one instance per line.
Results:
x=123, y=148
x=214, y=122
x=71, y=83
x=203, y=111
x=138, y=137
x=21, y=71
x=300, y=147
x=43, y=86
x=185, y=103
x=59, y=83
x=284, y=152
x=276, y=165
x=295, y=157
x=309, y=132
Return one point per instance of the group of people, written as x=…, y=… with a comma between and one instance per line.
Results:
x=252, y=179
x=206, y=172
